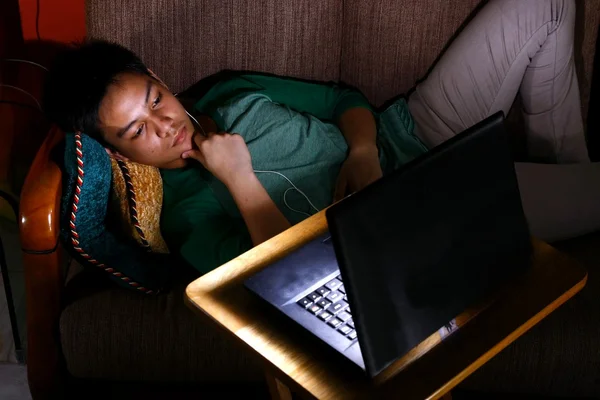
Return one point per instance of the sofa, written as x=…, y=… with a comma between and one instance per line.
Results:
x=87, y=337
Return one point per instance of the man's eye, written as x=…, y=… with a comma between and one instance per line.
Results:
x=157, y=100
x=139, y=131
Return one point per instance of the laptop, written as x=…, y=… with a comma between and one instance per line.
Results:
x=407, y=254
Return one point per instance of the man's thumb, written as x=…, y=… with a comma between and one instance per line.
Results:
x=195, y=154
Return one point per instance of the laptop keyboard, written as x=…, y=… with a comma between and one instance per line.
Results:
x=329, y=303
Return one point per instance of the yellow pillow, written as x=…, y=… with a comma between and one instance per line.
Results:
x=136, y=196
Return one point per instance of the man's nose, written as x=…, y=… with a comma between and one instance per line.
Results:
x=164, y=126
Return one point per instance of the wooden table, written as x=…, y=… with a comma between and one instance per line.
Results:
x=430, y=370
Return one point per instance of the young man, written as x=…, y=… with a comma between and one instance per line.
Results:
x=299, y=146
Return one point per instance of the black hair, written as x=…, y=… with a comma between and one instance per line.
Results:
x=79, y=79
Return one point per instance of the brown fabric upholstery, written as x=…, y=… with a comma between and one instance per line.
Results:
x=183, y=41
x=586, y=34
x=110, y=333
x=561, y=355
x=390, y=44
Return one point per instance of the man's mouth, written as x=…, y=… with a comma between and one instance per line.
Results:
x=180, y=136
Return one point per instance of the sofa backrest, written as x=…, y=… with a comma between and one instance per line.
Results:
x=381, y=46
x=390, y=44
x=183, y=41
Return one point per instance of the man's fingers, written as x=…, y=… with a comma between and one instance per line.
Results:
x=190, y=154
x=193, y=154
x=198, y=138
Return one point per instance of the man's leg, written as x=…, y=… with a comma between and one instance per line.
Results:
x=524, y=45
x=510, y=45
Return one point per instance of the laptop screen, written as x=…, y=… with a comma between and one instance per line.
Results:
x=418, y=247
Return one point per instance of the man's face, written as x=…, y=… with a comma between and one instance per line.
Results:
x=144, y=122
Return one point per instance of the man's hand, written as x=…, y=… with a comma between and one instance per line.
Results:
x=360, y=169
x=224, y=155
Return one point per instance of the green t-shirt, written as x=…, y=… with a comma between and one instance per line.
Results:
x=290, y=129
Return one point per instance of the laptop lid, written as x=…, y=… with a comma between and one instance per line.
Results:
x=419, y=246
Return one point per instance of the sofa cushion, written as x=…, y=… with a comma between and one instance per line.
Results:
x=114, y=334
x=186, y=40
x=561, y=355
x=84, y=223
x=136, y=199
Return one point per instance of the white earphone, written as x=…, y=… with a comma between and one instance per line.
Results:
x=195, y=120
x=294, y=187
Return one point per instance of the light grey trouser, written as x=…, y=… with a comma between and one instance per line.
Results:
x=526, y=47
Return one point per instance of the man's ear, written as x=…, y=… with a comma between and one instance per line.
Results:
x=115, y=154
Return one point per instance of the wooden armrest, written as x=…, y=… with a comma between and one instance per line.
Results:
x=40, y=200
x=39, y=230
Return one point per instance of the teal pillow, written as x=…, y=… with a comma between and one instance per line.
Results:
x=84, y=207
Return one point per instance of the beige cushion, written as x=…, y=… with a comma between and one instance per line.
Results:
x=136, y=198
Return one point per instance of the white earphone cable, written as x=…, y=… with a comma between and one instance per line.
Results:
x=289, y=207
x=196, y=121
x=294, y=187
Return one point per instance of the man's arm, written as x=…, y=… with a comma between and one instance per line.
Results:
x=358, y=127
x=348, y=108
x=326, y=101
x=226, y=156
x=361, y=167
x=261, y=215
